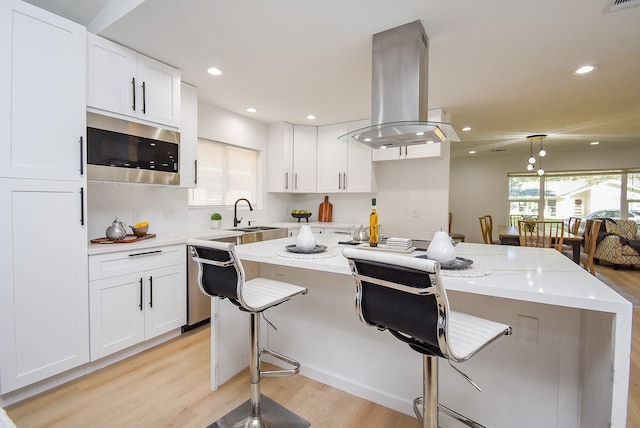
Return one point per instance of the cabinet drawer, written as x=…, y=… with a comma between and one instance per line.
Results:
x=125, y=262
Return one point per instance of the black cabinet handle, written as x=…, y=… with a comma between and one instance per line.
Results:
x=144, y=97
x=82, y=206
x=195, y=175
x=81, y=155
x=133, y=88
x=140, y=305
x=146, y=253
x=151, y=292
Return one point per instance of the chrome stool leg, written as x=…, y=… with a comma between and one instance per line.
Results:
x=426, y=407
x=260, y=411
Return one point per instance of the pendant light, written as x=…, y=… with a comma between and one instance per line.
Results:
x=532, y=160
x=541, y=153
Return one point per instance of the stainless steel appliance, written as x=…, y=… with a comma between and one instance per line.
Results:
x=399, y=114
x=198, y=303
x=119, y=150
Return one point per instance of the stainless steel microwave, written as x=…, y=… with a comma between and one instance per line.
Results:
x=119, y=150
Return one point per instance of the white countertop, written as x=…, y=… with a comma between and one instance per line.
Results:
x=520, y=273
x=162, y=239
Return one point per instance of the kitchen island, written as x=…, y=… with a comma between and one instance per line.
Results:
x=566, y=365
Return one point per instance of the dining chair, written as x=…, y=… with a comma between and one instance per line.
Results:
x=486, y=226
x=541, y=233
x=484, y=229
x=574, y=225
x=591, y=229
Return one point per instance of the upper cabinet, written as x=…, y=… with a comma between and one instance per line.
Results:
x=343, y=167
x=188, y=136
x=291, y=155
x=408, y=152
x=122, y=81
x=42, y=107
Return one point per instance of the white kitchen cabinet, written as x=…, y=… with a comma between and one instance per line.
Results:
x=292, y=158
x=124, y=82
x=43, y=280
x=408, y=152
x=188, y=136
x=43, y=256
x=42, y=108
x=343, y=167
x=135, y=296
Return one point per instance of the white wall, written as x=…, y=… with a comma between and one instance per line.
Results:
x=479, y=184
x=165, y=208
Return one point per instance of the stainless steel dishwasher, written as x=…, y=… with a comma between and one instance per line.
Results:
x=198, y=303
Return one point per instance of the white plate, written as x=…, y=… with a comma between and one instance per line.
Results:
x=316, y=249
x=383, y=247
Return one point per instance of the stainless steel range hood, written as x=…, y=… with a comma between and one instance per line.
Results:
x=400, y=60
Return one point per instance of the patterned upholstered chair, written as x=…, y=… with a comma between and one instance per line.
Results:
x=621, y=243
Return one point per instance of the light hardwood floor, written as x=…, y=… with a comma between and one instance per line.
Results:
x=168, y=386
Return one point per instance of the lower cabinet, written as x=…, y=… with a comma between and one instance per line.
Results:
x=146, y=300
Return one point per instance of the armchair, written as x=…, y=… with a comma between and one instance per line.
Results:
x=619, y=243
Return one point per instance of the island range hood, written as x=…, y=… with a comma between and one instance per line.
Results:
x=399, y=116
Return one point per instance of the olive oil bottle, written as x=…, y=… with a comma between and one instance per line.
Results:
x=373, y=225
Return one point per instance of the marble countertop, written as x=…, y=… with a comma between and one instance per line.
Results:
x=528, y=274
x=163, y=239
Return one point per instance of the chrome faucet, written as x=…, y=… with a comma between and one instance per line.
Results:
x=236, y=222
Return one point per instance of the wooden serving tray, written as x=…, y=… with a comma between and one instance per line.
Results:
x=126, y=240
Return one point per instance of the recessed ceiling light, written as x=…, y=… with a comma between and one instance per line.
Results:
x=368, y=139
x=429, y=141
x=472, y=152
x=214, y=71
x=252, y=109
x=466, y=128
x=419, y=133
x=594, y=143
x=311, y=116
x=584, y=69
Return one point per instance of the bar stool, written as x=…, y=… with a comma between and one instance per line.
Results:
x=405, y=295
x=221, y=275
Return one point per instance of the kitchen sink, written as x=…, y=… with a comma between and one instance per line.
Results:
x=254, y=228
x=254, y=234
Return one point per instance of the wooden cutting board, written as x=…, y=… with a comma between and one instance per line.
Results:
x=126, y=240
x=325, y=210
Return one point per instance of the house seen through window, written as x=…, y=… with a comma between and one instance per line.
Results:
x=586, y=194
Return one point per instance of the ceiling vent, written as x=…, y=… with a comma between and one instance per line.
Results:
x=616, y=5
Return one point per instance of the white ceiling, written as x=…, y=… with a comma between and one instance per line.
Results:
x=502, y=67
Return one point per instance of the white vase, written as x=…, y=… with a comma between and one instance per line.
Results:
x=441, y=249
x=215, y=224
x=305, y=239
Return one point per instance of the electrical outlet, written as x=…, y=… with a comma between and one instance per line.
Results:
x=415, y=212
x=169, y=214
x=527, y=329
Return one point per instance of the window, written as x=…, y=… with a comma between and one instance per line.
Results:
x=524, y=195
x=558, y=195
x=225, y=173
x=633, y=194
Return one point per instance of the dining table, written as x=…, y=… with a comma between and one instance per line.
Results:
x=509, y=235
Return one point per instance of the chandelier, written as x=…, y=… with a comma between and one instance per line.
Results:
x=531, y=165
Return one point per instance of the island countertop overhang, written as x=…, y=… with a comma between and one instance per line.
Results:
x=527, y=274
